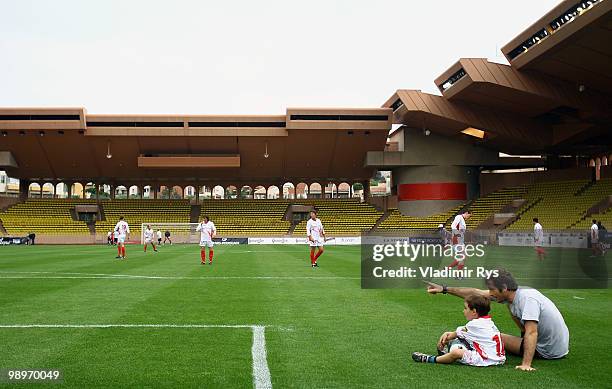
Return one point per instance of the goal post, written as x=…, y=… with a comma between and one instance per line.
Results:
x=179, y=232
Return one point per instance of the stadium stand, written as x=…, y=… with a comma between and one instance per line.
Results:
x=556, y=204
x=341, y=216
x=46, y=216
x=601, y=190
x=559, y=205
x=139, y=211
x=247, y=217
x=485, y=207
x=396, y=221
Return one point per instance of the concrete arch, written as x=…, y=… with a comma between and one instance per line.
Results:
x=121, y=192
x=189, y=192
x=273, y=192
x=105, y=191
x=147, y=192
x=48, y=190
x=358, y=190
x=344, y=190
x=176, y=192
x=77, y=190
x=89, y=191
x=302, y=191
x=260, y=192
x=34, y=190
x=134, y=192
x=246, y=192
x=231, y=192
x=218, y=192
x=288, y=191
x=315, y=191
x=205, y=192
x=61, y=190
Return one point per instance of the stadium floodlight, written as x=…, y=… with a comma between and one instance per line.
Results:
x=266, y=155
x=475, y=132
x=108, y=151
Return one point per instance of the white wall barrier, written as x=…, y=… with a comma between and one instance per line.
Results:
x=551, y=239
x=347, y=240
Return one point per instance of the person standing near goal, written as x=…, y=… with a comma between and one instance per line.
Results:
x=159, y=237
x=538, y=237
x=148, y=238
x=594, y=232
x=123, y=231
x=207, y=231
x=316, y=238
x=458, y=228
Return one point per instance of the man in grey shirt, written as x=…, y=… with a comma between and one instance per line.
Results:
x=543, y=330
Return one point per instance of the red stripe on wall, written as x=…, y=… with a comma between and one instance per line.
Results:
x=433, y=191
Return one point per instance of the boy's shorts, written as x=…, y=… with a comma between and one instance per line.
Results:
x=472, y=358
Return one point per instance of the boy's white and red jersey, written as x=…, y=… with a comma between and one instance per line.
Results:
x=148, y=235
x=538, y=234
x=122, y=228
x=485, y=339
x=314, y=229
x=207, y=230
x=458, y=228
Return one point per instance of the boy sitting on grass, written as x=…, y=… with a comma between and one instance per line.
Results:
x=482, y=343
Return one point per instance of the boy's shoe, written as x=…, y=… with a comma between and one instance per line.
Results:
x=420, y=357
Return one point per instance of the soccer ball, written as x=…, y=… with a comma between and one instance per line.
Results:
x=454, y=344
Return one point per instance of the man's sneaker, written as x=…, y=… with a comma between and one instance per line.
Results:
x=420, y=357
x=202, y=263
x=316, y=264
x=210, y=263
x=117, y=257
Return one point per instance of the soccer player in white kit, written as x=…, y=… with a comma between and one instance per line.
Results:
x=538, y=237
x=148, y=239
x=207, y=231
x=316, y=238
x=458, y=228
x=482, y=340
x=595, y=239
x=123, y=231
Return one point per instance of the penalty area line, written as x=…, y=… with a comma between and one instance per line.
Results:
x=261, y=371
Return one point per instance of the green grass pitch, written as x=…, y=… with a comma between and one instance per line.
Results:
x=322, y=330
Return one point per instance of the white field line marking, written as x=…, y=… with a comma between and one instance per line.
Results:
x=261, y=371
x=69, y=275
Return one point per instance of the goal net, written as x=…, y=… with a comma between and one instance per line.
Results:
x=179, y=232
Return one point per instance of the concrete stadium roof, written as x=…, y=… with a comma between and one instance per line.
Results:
x=555, y=97
x=305, y=144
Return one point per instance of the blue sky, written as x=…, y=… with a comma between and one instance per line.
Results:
x=241, y=57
